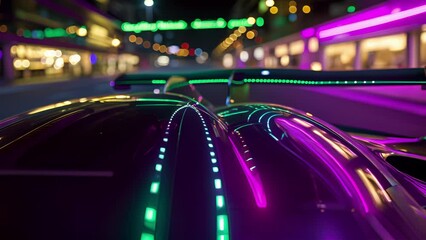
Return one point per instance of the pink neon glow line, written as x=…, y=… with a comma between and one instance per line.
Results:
x=348, y=176
x=372, y=22
x=255, y=184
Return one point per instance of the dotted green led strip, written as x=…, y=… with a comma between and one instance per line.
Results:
x=159, y=100
x=232, y=113
x=269, y=81
x=142, y=82
x=208, y=81
x=308, y=82
x=222, y=225
x=150, y=216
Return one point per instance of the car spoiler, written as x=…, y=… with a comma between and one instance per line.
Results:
x=407, y=76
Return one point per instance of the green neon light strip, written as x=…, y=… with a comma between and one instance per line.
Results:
x=153, y=27
x=155, y=186
x=276, y=139
x=208, y=24
x=158, y=105
x=251, y=114
x=269, y=119
x=207, y=81
x=150, y=217
x=308, y=82
x=234, y=23
x=143, y=82
x=217, y=184
x=158, y=81
x=224, y=112
x=222, y=218
x=222, y=227
x=220, y=201
x=158, y=100
x=147, y=236
x=245, y=125
x=177, y=85
x=260, y=119
x=197, y=24
x=197, y=82
x=48, y=33
x=234, y=113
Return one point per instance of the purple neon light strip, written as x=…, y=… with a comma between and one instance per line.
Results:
x=372, y=22
x=283, y=123
x=255, y=184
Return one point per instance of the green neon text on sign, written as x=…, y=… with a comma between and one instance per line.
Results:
x=208, y=24
x=171, y=25
x=234, y=23
x=260, y=21
x=139, y=27
x=219, y=23
x=55, y=32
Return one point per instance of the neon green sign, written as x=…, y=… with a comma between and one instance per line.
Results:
x=182, y=25
x=153, y=27
x=47, y=33
x=55, y=32
x=171, y=25
x=208, y=24
x=139, y=27
x=234, y=23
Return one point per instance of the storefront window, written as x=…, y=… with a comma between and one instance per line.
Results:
x=384, y=52
x=340, y=56
x=35, y=61
x=296, y=49
x=38, y=61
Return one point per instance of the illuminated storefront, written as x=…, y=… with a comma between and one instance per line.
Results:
x=384, y=52
x=388, y=35
x=62, y=45
x=39, y=61
x=340, y=56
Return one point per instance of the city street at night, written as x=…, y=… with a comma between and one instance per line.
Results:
x=218, y=120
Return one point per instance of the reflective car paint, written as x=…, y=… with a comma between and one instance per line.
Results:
x=164, y=166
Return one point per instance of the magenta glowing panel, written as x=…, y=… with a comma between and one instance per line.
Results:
x=392, y=19
x=253, y=179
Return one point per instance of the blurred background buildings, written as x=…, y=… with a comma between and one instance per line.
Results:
x=47, y=39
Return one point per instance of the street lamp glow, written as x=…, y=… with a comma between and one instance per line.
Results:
x=251, y=20
x=273, y=10
x=270, y=3
x=148, y=3
x=82, y=32
x=115, y=42
x=306, y=9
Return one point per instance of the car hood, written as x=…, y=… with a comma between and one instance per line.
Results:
x=163, y=166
